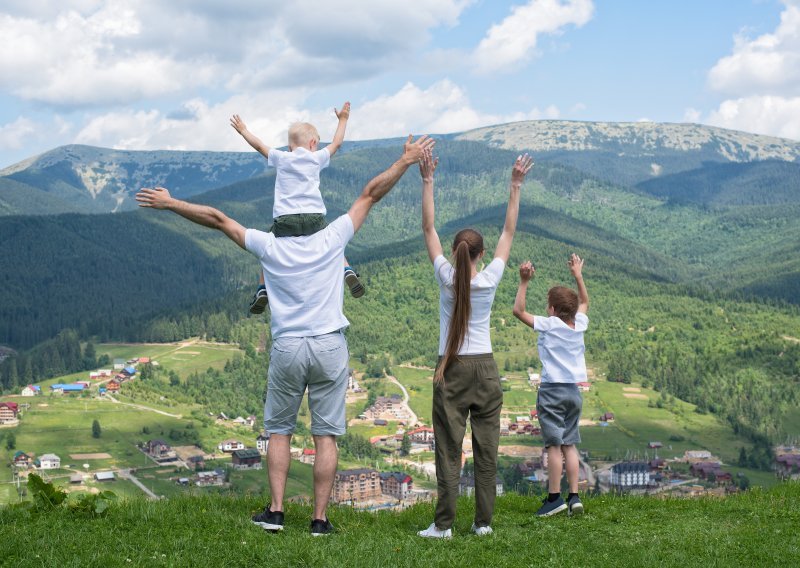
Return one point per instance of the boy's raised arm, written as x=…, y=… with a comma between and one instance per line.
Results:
x=526, y=272
x=338, y=136
x=521, y=168
x=576, y=267
x=427, y=167
x=239, y=126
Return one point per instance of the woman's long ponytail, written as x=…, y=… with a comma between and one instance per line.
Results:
x=467, y=245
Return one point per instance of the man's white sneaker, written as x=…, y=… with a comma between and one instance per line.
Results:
x=433, y=532
x=481, y=531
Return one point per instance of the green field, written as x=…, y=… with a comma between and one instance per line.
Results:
x=756, y=528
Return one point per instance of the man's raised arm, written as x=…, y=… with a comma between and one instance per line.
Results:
x=380, y=185
x=159, y=198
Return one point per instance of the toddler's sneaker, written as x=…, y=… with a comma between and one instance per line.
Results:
x=433, y=532
x=260, y=301
x=549, y=508
x=575, y=505
x=352, y=280
x=481, y=531
x=269, y=520
x=320, y=527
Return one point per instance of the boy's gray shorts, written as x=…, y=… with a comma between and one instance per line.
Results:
x=559, y=407
x=319, y=363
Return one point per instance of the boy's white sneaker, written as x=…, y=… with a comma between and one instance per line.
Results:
x=433, y=532
x=481, y=531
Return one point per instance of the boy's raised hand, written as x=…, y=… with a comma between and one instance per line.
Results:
x=344, y=113
x=427, y=165
x=238, y=124
x=575, y=265
x=521, y=168
x=526, y=271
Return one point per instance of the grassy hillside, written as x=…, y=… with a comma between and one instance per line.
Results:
x=757, y=528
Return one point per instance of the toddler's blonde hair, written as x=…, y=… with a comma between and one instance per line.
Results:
x=301, y=133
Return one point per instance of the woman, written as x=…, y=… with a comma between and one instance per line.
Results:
x=466, y=380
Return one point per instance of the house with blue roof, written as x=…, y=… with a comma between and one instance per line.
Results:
x=64, y=388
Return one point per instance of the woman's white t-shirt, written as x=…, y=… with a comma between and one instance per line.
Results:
x=482, y=290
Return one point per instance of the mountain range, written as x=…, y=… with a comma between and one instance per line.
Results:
x=692, y=236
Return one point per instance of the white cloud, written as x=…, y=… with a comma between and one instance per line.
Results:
x=106, y=52
x=691, y=115
x=441, y=108
x=762, y=114
x=14, y=134
x=769, y=63
x=76, y=60
x=514, y=40
x=762, y=76
x=197, y=125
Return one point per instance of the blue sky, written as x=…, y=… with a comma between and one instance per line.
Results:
x=145, y=74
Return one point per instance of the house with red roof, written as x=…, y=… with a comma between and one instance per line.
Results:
x=8, y=412
x=396, y=483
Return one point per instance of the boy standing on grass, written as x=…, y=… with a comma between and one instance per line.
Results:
x=298, y=209
x=559, y=401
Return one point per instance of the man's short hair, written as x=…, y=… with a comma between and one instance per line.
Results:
x=301, y=133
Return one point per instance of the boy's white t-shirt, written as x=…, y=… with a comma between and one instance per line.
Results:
x=304, y=278
x=561, y=349
x=297, y=181
x=482, y=290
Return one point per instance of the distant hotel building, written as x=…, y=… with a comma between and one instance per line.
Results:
x=356, y=485
x=630, y=475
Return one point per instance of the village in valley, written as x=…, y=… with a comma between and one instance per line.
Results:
x=151, y=447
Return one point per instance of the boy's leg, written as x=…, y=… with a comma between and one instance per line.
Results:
x=260, y=299
x=351, y=278
x=572, y=465
x=554, y=469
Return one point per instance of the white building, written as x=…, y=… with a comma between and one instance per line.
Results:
x=230, y=445
x=262, y=443
x=627, y=475
x=31, y=390
x=49, y=461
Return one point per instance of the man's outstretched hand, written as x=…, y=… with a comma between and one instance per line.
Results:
x=413, y=150
x=157, y=198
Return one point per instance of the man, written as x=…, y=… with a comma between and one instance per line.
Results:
x=305, y=288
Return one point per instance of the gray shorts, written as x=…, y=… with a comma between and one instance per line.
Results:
x=320, y=363
x=559, y=407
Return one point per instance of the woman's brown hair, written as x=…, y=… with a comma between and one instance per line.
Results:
x=467, y=246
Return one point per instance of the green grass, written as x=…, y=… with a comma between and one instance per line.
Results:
x=757, y=528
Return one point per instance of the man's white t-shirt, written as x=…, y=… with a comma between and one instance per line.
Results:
x=561, y=349
x=482, y=290
x=297, y=181
x=304, y=278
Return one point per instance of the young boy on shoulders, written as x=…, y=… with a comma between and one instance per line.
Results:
x=298, y=209
x=559, y=402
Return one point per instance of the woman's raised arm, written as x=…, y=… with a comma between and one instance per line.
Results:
x=427, y=167
x=521, y=168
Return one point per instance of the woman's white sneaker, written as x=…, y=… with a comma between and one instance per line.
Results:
x=481, y=531
x=433, y=532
